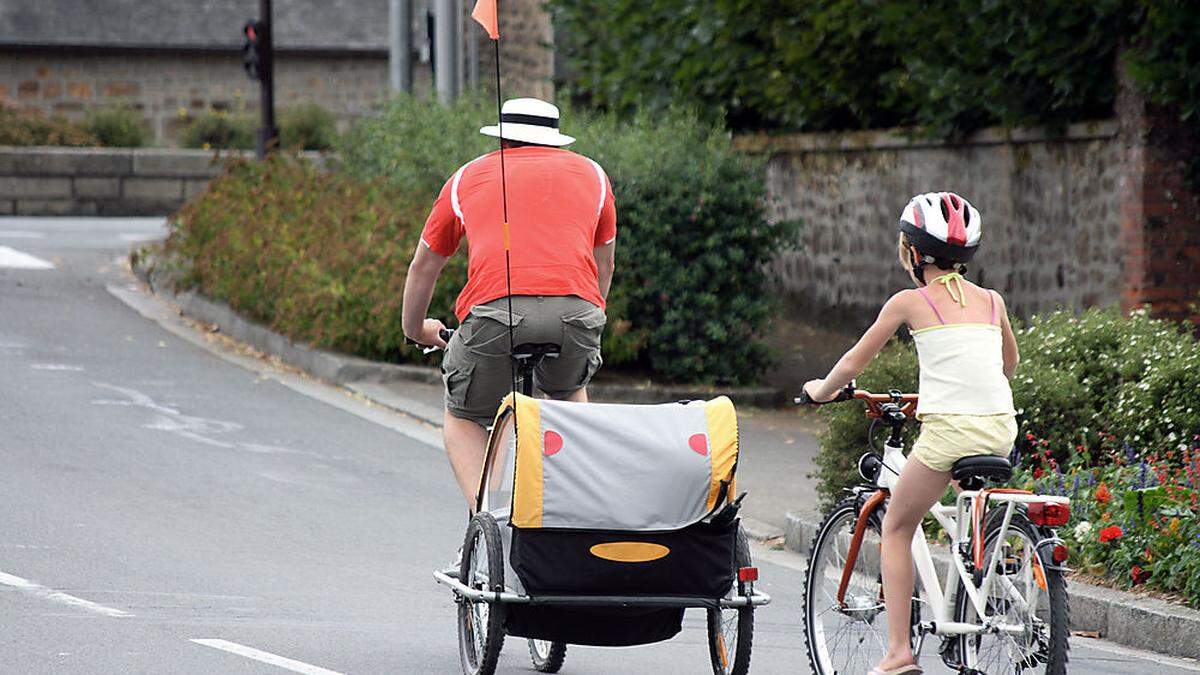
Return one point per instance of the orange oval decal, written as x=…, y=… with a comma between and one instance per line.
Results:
x=630, y=551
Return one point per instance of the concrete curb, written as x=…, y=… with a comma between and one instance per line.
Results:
x=365, y=376
x=1122, y=617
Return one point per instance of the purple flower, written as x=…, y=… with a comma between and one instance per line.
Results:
x=1130, y=455
x=1142, y=475
x=1075, y=487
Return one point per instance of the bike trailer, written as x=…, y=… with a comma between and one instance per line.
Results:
x=611, y=501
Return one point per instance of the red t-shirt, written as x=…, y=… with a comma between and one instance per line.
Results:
x=560, y=207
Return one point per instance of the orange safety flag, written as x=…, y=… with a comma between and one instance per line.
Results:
x=485, y=14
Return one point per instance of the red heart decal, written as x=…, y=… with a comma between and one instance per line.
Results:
x=552, y=442
x=699, y=444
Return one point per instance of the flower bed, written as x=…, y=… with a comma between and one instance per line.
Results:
x=1134, y=522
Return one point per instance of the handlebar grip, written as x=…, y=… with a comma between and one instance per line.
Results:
x=446, y=334
x=804, y=399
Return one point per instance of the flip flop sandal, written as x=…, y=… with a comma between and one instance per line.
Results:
x=912, y=669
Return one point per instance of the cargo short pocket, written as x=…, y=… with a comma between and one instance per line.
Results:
x=486, y=330
x=456, y=377
x=582, y=330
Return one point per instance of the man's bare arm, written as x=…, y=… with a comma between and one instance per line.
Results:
x=418, y=291
x=606, y=263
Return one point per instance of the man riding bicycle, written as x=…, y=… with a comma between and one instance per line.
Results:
x=562, y=223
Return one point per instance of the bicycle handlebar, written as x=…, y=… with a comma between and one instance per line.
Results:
x=445, y=334
x=875, y=402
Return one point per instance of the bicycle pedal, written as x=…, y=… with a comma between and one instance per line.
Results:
x=949, y=653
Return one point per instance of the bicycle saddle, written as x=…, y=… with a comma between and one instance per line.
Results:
x=531, y=350
x=972, y=472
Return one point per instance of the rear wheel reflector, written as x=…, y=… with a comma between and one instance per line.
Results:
x=748, y=574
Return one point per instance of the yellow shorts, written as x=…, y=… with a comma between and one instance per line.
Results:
x=945, y=439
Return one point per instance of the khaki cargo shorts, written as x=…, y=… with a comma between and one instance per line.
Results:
x=477, y=368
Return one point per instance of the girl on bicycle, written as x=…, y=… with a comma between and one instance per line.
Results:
x=967, y=354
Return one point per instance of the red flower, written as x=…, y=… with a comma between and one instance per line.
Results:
x=1038, y=473
x=1110, y=533
x=1139, y=575
x=1102, y=494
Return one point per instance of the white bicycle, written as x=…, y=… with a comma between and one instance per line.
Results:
x=1003, y=606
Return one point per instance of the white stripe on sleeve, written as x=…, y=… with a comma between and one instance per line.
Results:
x=603, y=186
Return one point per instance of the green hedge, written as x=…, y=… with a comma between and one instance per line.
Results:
x=119, y=126
x=23, y=127
x=316, y=256
x=688, y=300
x=950, y=65
x=1087, y=385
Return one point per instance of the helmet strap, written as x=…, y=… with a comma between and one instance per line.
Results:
x=918, y=265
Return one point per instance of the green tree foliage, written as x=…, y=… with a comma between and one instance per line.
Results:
x=949, y=66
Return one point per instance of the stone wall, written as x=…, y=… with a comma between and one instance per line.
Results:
x=1051, y=209
x=101, y=181
x=169, y=88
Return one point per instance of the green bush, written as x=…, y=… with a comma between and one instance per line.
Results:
x=317, y=256
x=116, y=126
x=307, y=127
x=688, y=299
x=220, y=129
x=1087, y=385
x=23, y=127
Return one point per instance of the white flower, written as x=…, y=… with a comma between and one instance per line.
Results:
x=1082, y=530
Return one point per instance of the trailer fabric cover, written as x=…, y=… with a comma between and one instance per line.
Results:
x=594, y=466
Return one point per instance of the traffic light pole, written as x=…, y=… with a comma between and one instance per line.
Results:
x=268, y=133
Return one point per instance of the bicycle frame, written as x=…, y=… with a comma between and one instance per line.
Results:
x=958, y=520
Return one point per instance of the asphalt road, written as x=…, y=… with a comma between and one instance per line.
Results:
x=153, y=494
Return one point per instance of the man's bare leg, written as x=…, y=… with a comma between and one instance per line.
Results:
x=466, y=443
x=580, y=395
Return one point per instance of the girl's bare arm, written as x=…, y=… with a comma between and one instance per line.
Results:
x=895, y=312
x=1011, y=356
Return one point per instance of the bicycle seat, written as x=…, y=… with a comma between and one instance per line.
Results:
x=972, y=472
x=536, y=351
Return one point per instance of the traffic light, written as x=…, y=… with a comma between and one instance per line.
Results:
x=252, y=50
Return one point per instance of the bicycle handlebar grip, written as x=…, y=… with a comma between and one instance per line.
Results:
x=446, y=334
x=804, y=399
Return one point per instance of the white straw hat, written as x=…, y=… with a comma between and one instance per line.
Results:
x=529, y=120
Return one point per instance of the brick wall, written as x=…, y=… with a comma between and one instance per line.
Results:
x=1051, y=208
x=103, y=181
x=1160, y=209
x=168, y=87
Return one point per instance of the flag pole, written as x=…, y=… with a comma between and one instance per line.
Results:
x=490, y=20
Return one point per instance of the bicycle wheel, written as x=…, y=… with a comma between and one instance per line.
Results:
x=731, y=631
x=849, y=637
x=481, y=624
x=547, y=656
x=1022, y=594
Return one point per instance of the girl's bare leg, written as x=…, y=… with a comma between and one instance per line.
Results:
x=917, y=490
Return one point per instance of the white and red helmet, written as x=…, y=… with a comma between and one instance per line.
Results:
x=942, y=225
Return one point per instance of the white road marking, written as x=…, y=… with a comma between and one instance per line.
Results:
x=21, y=234
x=37, y=590
x=56, y=366
x=139, y=236
x=265, y=657
x=159, y=312
x=14, y=259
